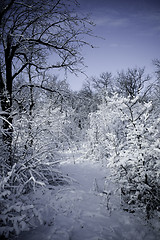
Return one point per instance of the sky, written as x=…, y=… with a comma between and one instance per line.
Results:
x=129, y=32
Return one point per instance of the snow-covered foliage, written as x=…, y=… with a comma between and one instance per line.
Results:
x=85, y=208
x=16, y=209
x=49, y=128
x=44, y=126
x=21, y=211
x=124, y=134
x=38, y=142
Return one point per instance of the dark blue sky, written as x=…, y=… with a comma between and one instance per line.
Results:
x=131, y=29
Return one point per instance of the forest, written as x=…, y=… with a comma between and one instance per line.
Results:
x=113, y=120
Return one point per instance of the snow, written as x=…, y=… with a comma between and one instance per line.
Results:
x=86, y=209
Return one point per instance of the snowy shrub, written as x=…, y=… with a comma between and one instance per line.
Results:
x=38, y=142
x=16, y=207
x=47, y=132
x=106, y=130
x=124, y=134
x=13, y=212
x=37, y=146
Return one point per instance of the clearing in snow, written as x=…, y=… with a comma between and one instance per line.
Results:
x=88, y=208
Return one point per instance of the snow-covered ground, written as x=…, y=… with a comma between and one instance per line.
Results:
x=84, y=209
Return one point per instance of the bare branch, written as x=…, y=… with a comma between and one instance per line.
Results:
x=20, y=70
x=5, y=10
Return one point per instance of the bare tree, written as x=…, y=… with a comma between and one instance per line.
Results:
x=102, y=82
x=41, y=28
x=156, y=62
x=156, y=87
x=131, y=82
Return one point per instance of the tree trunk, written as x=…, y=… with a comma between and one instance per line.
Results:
x=31, y=105
x=6, y=103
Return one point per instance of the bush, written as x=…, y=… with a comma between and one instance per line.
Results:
x=124, y=134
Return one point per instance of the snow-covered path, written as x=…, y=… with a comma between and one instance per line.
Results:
x=81, y=212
